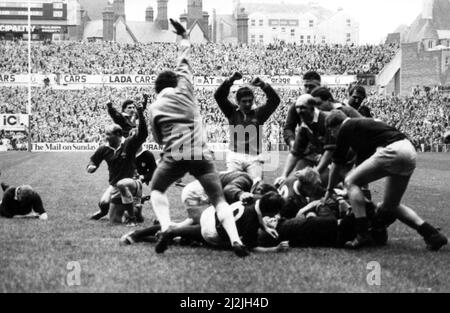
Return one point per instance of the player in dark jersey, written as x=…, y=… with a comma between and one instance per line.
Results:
x=381, y=152
x=311, y=141
x=311, y=80
x=249, y=219
x=326, y=103
x=237, y=187
x=120, y=155
x=300, y=190
x=128, y=118
x=145, y=160
x=357, y=95
x=21, y=201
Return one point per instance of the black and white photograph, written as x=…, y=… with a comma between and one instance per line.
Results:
x=224, y=152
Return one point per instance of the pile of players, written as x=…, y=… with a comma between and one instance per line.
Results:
x=322, y=198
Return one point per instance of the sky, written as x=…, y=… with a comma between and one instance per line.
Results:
x=377, y=18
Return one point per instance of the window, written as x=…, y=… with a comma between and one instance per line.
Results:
x=292, y=32
x=253, y=38
x=293, y=22
x=261, y=22
x=308, y=39
x=324, y=39
x=57, y=14
x=349, y=23
x=261, y=38
x=284, y=22
x=283, y=29
x=274, y=28
x=447, y=60
x=349, y=37
x=302, y=39
x=58, y=5
x=430, y=44
x=274, y=22
x=311, y=23
x=253, y=22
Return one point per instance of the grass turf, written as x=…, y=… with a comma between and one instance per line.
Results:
x=35, y=255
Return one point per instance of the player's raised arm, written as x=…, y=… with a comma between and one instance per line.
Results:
x=142, y=132
x=183, y=68
x=115, y=115
x=222, y=93
x=273, y=100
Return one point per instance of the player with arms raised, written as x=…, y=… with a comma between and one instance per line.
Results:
x=176, y=124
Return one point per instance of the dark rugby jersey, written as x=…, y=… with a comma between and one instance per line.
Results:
x=10, y=207
x=313, y=138
x=293, y=120
x=234, y=184
x=247, y=224
x=364, y=136
x=311, y=232
x=251, y=141
x=124, y=121
x=365, y=111
x=122, y=162
x=294, y=200
x=146, y=165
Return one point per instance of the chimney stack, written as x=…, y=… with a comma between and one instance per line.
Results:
x=242, y=25
x=161, y=19
x=108, y=23
x=149, y=14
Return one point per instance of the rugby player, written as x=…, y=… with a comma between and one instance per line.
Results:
x=381, y=152
x=145, y=167
x=357, y=95
x=311, y=140
x=177, y=125
x=120, y=155
x=246, y=122
x=237, y=186
x=145, y=160
x=311, y=80
x=21, y=201
x=249, y=219
x=127, y=119
x=300, y=190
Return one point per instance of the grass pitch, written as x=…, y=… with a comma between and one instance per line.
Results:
x=35, y=256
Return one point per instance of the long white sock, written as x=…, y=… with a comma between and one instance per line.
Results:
x=226, y=218
x=160, y=205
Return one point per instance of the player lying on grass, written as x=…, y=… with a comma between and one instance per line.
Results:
x=177, y=125
x=300, y=190
x=249, y=219
x=21, y=201
x=238, y=187
x=120, y=155
x=381, y=152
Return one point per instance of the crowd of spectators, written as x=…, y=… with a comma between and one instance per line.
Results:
x=423, y=116
x=208, y=59
x=81, y=116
